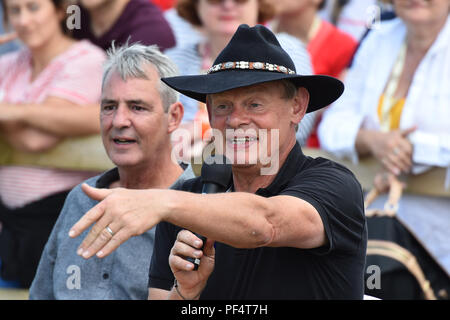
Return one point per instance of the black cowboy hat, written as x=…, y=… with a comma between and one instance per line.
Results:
x=254, y=56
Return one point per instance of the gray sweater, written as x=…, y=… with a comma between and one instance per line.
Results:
x=62, y=274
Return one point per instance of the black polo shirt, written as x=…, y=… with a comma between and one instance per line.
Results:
x=334, y=271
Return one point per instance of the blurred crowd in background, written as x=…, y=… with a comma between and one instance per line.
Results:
x=394, y=115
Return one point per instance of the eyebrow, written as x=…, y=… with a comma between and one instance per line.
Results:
x=138, y=101
x=128, y=102
x=250, y=95
x=107, y=101
x=248, y=91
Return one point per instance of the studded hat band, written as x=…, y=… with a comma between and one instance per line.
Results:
x=249, y=65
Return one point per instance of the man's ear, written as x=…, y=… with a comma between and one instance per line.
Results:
x=208, y=107
x=301, y=101
x=174, y=116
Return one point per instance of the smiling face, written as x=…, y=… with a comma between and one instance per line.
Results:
x=257, y=121
x=35, y=21
x=134, y=125
x=224, y=17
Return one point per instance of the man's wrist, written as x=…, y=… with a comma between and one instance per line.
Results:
x=172, y=205
x=184, y=296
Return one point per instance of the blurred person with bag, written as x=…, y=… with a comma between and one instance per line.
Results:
x=396, y=109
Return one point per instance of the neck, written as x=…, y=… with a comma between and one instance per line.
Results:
x=42, y=56
x=298, y=24
x=104, y=17
x=216, y=44
x=161, y=174
x=420, y=38
x=249, y=179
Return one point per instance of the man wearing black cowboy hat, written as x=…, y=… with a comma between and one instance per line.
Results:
x=296, y=233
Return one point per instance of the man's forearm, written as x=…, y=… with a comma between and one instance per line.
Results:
x=214, y=216
x=284, y=221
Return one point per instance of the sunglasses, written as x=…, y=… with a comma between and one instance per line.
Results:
x=221, y=1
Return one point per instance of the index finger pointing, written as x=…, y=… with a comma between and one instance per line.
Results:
x=90, y=217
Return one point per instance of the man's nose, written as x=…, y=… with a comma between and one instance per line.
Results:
x=122, y=117
x=237, y=118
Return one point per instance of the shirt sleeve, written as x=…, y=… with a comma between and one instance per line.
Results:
x=42, y=285
x=341, y=122
x=160, y=274
x=80, y=79
x=431, y=148
x=338, y=198
x=8, y=62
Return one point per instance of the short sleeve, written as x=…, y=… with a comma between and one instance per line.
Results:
x=79, y=81
x=349, y=109
x=338, y=198
x=42, y=287
x=160, y=274
x=8, y=65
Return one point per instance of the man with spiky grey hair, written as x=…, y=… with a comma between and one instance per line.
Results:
x=127, y=62
x=137, y=116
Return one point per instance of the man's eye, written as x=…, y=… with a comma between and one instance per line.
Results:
x=221, y=108
x=107, y=108
x=138, y=108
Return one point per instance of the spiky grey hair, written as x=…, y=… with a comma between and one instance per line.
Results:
x=129, y=62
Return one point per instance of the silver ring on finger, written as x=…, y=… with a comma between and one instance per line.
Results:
x=110, y=231
x=396, y=151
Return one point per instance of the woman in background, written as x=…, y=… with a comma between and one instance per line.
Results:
x=331, y=49
x=218, y=21
x=49, y=90
x=396, y=108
